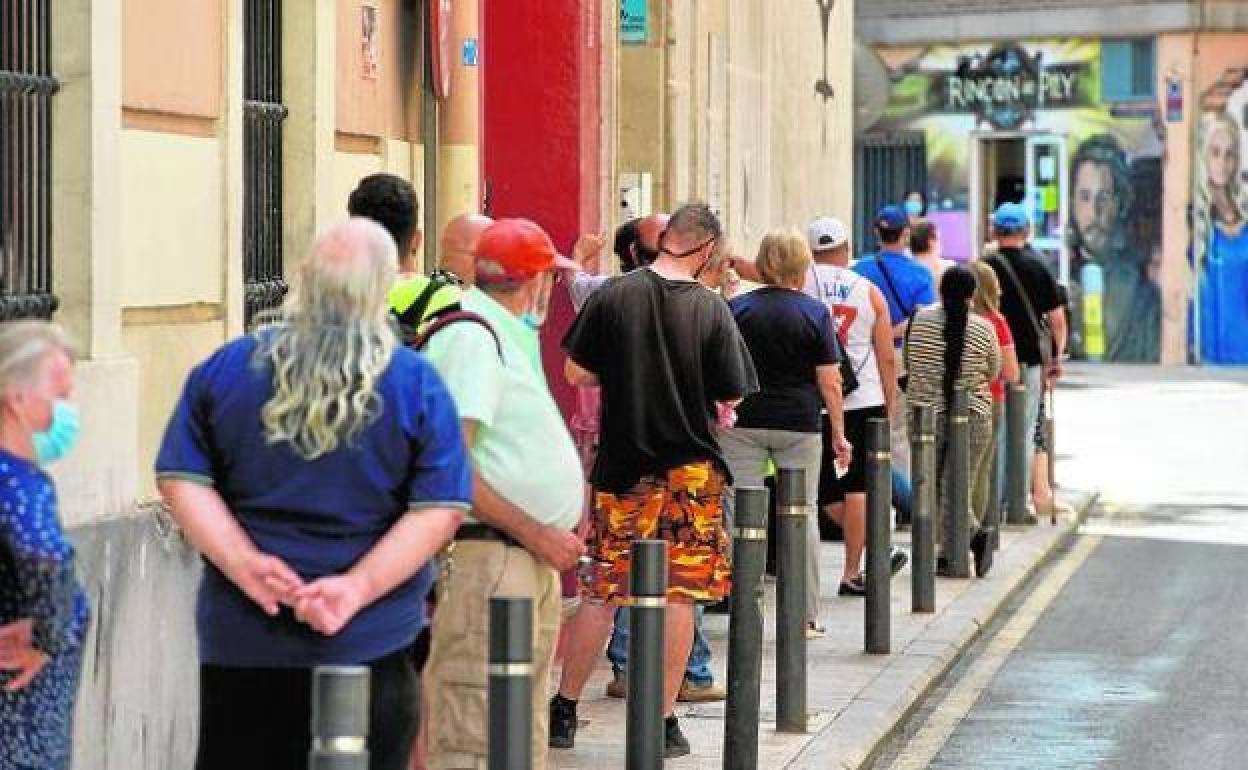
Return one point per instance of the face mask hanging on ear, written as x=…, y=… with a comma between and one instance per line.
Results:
x=62, y=434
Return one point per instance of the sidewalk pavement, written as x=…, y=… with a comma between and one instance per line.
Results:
x=855, y=700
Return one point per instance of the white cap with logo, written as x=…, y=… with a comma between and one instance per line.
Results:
x=826, y=233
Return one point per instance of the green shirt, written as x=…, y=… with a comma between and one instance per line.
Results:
x=522, y=448
x=407, y=293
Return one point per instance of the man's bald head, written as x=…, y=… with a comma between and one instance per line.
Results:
x=347, y=275
x=459, y=240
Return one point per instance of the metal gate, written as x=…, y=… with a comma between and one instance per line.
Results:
x=886, y=167
x=264, y=284
x=26, y=89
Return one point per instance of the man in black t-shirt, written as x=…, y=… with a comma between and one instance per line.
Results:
x=1030, y=314
x=668, y=356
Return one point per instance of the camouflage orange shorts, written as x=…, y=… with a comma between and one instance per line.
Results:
x=684, y=506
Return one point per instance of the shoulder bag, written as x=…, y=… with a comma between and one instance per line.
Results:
x=1044, y=340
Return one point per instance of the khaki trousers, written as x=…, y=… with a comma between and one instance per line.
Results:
x=456, y=678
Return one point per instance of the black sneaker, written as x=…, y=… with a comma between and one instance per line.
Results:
x=897, y=560
x=675, y=744
x=853, y=587
x=981, y=549
x=562, y=723
x=942, y=568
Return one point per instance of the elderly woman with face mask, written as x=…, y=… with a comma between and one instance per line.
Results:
x=43, y=608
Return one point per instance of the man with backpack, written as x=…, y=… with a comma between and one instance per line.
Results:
x=528, y=488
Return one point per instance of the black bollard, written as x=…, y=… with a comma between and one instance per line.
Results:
x=647, y=631
x=923, y=496
x=956, y=537
x=1018, y=438
x=877, y=630
x=511, y=683
x=1050, y=441
x=791, y=600
x=340, y=703
x=745, y=629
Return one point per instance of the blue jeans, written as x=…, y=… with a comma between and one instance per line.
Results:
x=697, y=671
x=902, y=494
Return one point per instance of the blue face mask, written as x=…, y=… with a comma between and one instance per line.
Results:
x=54, y=443
x=914, y=208
x=531, y=320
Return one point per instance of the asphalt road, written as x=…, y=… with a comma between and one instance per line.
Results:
x=1139, y=658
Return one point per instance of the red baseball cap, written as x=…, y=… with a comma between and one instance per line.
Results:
x=515, y=250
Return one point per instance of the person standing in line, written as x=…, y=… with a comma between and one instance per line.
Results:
x=668, y=356
x=43, y=607
x=925, y=246
x=791, y=338
x=527, y=488
x=1031, y=303
x=949, y=347
x=865, y=332
x=989, y=483
x=915, y=206
x=317, y=466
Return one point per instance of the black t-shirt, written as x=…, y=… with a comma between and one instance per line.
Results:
x=664, y=352
x=788, y=334
x=1041, y=288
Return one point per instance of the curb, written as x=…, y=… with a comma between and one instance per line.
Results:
x=840, y=745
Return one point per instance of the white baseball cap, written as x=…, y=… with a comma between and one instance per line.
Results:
x=826, y=233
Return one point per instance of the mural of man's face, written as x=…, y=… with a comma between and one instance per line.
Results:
x=1221, y=156
x=1096, y=205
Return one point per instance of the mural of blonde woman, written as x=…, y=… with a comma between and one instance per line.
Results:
x=1221, y=243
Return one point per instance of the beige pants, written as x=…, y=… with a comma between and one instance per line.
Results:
x=455, y=679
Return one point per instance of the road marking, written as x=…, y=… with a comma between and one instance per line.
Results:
x=931, y=738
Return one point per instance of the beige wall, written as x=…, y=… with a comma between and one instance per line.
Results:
x=740, y=124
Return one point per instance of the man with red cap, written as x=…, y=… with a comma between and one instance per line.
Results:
x=527, y=487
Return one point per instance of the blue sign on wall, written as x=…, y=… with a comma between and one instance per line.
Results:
x=471, y=52
x=634, y=21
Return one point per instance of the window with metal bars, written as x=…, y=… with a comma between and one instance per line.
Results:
x=26, y=89
x=263, y=113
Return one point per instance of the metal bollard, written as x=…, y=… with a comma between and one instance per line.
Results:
x=956, y=537
x=511, y=683
x=340, y=704
x=923, y=482
x=877, y=625
x=745, y=629
x=1017, y=440
x=647, y=632
x=1050, y=440
x=791, y=600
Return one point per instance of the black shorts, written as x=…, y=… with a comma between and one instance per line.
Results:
x=831, y=489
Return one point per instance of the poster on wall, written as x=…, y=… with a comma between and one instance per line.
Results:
x=1219, y=236
x=993, y=116
x=370, y=46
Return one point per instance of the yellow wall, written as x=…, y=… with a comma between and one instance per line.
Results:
x=172, y=225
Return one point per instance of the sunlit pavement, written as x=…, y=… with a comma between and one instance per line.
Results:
x=1141, y=658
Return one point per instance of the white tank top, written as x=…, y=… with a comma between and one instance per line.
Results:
x=848, y=297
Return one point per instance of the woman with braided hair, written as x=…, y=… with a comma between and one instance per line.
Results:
x=949, y=347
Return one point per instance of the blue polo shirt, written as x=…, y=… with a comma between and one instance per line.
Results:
x=319, y=516
x=912, y=282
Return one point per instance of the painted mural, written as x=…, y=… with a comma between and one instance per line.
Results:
x=1219, y=236
x=1095, y=189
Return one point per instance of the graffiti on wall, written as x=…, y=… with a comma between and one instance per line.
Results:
x=1219, y=236
x=1111, y=236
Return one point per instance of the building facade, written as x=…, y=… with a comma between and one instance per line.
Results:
x=1119, y=124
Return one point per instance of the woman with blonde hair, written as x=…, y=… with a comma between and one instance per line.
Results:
x=318, y=467
x=43, y=608
x=986, y=303
x=1220, y=243
x=792, y=339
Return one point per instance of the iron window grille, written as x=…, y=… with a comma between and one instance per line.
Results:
x=26, y=89
x=264, y=285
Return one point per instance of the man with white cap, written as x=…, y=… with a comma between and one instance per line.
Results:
x=865, y=331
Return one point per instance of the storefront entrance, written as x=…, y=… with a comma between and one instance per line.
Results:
x=1027, y=169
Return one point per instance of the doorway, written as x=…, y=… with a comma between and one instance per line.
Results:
x=1026, y=169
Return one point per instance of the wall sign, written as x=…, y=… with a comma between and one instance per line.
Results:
x=1006, y=86
x=440, y=46
x=471, y=52
x=634, y=21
